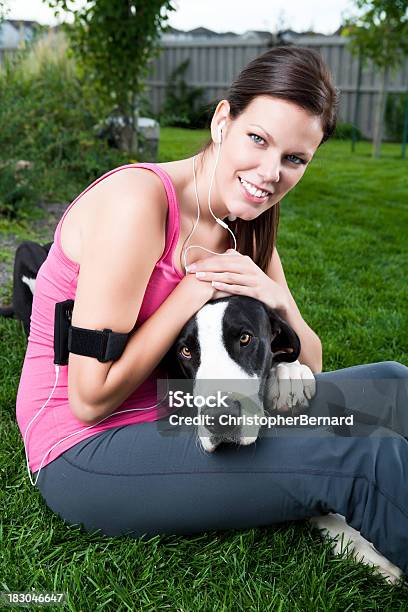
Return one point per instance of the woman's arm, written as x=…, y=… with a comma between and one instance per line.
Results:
x=118, y=255
x=147, y=346
x=311, y=352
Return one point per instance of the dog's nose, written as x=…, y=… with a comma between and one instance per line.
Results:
x=223, y=420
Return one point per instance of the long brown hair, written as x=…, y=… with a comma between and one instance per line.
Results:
x=295, y=74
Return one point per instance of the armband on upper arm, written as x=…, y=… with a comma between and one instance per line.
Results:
x=105, y=345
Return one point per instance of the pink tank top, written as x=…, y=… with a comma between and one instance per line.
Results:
x=56, y=282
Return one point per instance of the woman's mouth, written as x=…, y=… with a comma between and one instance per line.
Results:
x=253, y=194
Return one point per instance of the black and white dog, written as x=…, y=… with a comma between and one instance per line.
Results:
x=240, y=339
x=234, y=340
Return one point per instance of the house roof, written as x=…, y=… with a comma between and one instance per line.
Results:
x=259, y=32
x=18, y=22
x=201, y=31
x=304, y=33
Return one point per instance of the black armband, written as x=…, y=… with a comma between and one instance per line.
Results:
x=104, y=345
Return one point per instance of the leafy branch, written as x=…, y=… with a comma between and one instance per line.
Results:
x=114, y=41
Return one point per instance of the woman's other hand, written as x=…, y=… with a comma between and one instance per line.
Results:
x=196, y=287
x=207, y=289
x=234, y=274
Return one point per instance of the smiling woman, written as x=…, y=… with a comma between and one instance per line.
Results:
x=268, y=167
x=288, y=96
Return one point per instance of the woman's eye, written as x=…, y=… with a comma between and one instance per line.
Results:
x=299, y=160
x=292, y=158
x=185, y=352
x=256, y=136
x=245, y=339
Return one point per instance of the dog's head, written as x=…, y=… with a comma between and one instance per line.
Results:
x=228, y=349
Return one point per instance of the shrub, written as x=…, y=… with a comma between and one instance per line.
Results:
x=47, y=116
x=183, y=105
x=344, y=131
x=18, y=189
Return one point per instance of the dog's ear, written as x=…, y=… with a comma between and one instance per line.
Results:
x=285, y=344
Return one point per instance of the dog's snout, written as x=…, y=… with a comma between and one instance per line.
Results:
x=223, y=419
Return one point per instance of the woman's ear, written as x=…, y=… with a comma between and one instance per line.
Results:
x=220, y=115
x=285, y=343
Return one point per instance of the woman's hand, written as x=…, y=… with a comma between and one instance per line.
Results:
x=234, y=274
x=206, y=289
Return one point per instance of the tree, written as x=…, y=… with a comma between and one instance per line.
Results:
x=113, y=41
x=381, y=35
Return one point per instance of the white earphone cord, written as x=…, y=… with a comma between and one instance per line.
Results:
x=219, y=221
x=223, y=224
x=75, y=432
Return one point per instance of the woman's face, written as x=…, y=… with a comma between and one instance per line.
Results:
x=269, y=145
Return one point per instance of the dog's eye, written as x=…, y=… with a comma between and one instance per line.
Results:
x=245, y=339
x=185, y=352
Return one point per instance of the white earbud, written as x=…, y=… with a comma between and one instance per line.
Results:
x=220, y=131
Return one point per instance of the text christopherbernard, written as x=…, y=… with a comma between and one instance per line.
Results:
x=278, y=420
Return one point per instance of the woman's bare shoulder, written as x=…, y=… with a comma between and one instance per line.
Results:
x=127, y=188
x=120, y=193
x=137, y=181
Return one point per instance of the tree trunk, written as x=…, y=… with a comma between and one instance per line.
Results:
x=129, y=132
x=357, y=102
x=125, y=137
x=380, y=112
x=124, y=128
x=135, y=140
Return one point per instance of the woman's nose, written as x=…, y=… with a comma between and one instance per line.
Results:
x=270, y=173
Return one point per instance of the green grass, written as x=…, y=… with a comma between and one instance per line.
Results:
x=342, y=241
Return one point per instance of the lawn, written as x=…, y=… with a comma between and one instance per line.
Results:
x=342, y=242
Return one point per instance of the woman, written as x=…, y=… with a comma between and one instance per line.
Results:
x=117, y=252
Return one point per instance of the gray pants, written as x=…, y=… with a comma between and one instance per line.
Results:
x=136, y=480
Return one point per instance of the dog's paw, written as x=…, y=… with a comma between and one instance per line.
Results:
x=289, y=387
